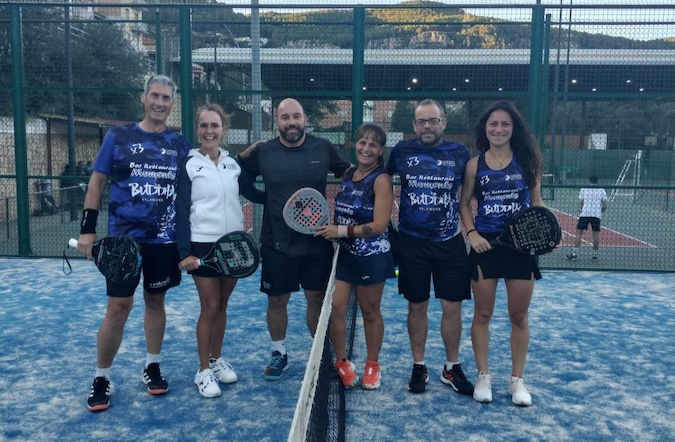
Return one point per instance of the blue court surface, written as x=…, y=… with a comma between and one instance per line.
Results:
x=601, y=366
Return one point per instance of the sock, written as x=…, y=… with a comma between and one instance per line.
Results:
x=279, y=346
x=102, y=373
x=448, y=365
x=575, y=250
x=151, y=359
x=419, y=363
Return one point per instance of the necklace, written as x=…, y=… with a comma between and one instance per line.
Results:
x=366, y=171
x=501, y=163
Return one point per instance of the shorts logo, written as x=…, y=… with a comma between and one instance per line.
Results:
x=159, y=284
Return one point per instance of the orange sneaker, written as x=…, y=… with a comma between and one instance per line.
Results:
x=345, y=369
x=371, y=376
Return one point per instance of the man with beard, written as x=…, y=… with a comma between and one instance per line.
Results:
x=291, y=260
x=430, y=243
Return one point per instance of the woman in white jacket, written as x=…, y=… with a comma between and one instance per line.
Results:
x=208, y=207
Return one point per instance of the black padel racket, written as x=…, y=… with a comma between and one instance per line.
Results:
x=533, y=231
x=234, y=254
x=118, y=258
x=306, y=210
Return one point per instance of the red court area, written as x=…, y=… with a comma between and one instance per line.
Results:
x=609, y=237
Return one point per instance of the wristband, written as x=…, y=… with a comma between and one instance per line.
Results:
x=350, y=232
x=472, y=230
x=88, y=224
x=342, y=231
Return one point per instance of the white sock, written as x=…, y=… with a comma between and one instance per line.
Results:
x=575, y=250
x=419, y=363
x=102, y=373
x=279, y=346
x=151, y=359
x=448, y=365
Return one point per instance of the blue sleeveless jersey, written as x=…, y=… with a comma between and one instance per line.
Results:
x=431, y=178
x=500, y=194
x=143, y=170
x=354, y=205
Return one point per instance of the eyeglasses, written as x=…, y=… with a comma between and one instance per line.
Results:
x=432, y=121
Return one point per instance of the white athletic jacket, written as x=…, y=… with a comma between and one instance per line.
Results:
x=207, y=204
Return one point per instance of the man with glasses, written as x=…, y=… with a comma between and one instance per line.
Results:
x=430, y=243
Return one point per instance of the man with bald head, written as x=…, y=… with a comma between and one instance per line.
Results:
x=291, y=260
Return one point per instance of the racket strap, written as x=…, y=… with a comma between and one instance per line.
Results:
x=66, y=262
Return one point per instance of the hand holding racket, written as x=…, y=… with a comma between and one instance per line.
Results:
x=118, y=258
x=533, y=231
x=234, y=254
x=306, y=210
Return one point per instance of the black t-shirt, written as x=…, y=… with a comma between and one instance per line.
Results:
x=285, y=170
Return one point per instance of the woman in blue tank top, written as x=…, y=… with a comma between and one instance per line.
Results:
x=504, y=179
x=362, y=212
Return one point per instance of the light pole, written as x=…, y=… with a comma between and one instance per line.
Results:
x=256, y=117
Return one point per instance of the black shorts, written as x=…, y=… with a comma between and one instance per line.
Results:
x=364, y=270
x=584, y=221
x=202, y=249
x=503, y=262
x=283, y=273
x=421, y=260
x=160, y=272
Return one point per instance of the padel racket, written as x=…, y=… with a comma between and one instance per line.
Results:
x=533, y=231
x=306, y=210
x=234, y=254
x=118, y=258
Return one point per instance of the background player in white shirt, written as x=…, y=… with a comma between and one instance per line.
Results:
x=593, y=203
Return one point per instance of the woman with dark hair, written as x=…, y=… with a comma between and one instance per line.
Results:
x=504, y=179
x=362, y=212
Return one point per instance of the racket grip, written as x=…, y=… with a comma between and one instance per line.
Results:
x=198, y=262
x=72, y=242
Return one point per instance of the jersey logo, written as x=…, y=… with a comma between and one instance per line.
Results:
x=199, y=169
x=137, y=148
x=484, y=180
x=412, y=161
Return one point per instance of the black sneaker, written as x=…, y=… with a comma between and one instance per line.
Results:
x=418, y=379
x=152, y=377
x=99, y=398
x=457, y=380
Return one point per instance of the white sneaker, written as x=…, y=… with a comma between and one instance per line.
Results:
x=223, y=371
x=519, y=394
x=482, y=392
x=207, y=384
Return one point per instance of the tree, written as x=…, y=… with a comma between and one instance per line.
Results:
x=401, y=119
x=102, y=60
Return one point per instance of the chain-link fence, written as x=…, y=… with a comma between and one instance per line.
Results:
x=596, y=82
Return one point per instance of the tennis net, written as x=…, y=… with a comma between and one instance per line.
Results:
x=320, y=410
